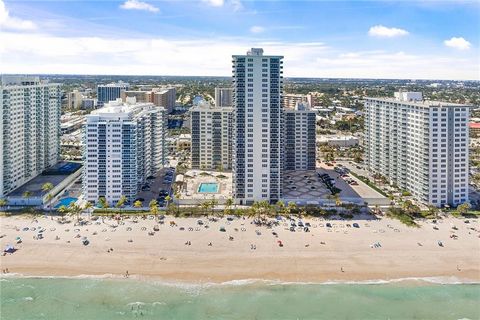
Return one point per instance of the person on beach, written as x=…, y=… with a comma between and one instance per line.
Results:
x=341, y=268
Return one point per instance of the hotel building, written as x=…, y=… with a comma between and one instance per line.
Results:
x=110, y=92
x=223, y=97
x=29, y=129
x=212, y=135
x=420, y=146
x=300, y=136
x=162, y=97
x=290, y=100
x=124, y=144
x=258, y=115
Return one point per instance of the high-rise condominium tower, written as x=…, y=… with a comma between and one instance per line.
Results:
x=258, y=153
x=124, y=144
x=421, y=146
x=110, y=92
x=300, y=137
x=223, y=97
x=29, y=129
x=212, y=135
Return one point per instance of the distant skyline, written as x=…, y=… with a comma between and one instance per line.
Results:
x=425, y=39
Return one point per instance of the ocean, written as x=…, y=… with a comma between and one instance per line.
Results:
x=106, y=298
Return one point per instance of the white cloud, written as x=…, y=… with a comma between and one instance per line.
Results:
x=457, y=43
x=138, y=5
x=385, y=32
x=214, y=3
x=8, y=22
x=236, y=4
x=128, y=55
x=257, y=29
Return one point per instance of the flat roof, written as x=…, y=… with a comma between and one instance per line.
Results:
x=423, y=103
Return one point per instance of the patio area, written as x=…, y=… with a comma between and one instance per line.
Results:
x=205, y=185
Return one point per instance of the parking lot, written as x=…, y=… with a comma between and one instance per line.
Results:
x=357, y=190
x=158, y=187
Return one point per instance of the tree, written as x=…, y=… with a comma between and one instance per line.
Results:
x=154, y=207
x=213, y=204
x=88, y=205
x=432, y=210
x=291, y=206
x=103, y=202
x=74, y=209
x=280, y=206
x=121, y=202
x=46, y=188
x=138, y=204
x=228, y=206
x=463, y=208
x=26, y=195
x=168, y=199
x=3, y=203
x=63, y=210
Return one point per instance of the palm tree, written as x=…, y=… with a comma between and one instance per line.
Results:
x=87, y=206
x=121, y=202
x=280, y=206
x=103, y=202
x=3, y=203
x=213, y=204
x=463, y=208
x=154, y=207
x=46, y=188
x=63, y=209
x=75, y=210
x=432, y=210
x=49, y=199
x=26, y=195
x=168, y=199
x=138, y=204
x=291, y=206
x=205, y=206
x=337, y=199
x=228, y=206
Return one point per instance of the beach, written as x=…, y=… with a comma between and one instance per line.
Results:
x=186, y=251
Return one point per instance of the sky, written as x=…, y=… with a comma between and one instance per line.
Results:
x=424, y=39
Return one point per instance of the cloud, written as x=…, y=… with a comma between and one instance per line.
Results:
x=257, y=29
x=138, y=5
x=8, y=22
x=214, y=3
x=385, y=32
x=457, y=43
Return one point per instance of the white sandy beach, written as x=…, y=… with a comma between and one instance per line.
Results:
x=316, y=256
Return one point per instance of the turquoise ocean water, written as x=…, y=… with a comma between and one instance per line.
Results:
x=61, y=298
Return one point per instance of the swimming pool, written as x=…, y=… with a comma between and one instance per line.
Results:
x=210, y=187
x=65, y=202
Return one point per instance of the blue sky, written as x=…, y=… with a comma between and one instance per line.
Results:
x=360, y=39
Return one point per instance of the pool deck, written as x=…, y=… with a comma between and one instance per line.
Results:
x=194, y=178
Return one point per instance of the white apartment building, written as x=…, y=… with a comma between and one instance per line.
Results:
x=124, y=144
x=290, y=100
x=421, y=146
x=29, y=129
x=74, y=99
x=258, y=145
x=299, y=136
x=223, y=97
x=212, y=135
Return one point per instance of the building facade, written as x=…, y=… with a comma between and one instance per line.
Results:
x=124, y=144
x=420, y=146
x=300, y=136
x=223, y=97
x=74, y=100
x=212, y=135
x=29, y=129
x=110, y=92
x=290, y=100
x=165, y=97
x=258, y=139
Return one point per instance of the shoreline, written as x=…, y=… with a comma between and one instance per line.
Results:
x=182, y=254
x=420, y=281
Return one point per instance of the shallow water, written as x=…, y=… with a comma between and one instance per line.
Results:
x=61, y=298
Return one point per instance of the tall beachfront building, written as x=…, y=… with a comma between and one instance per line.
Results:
x=212, y=135
x=300, y=137
x=110, y=92
x=223, y=97
x=29, y=129
x=420, y=146
x=124, y=144
x=258, y=141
